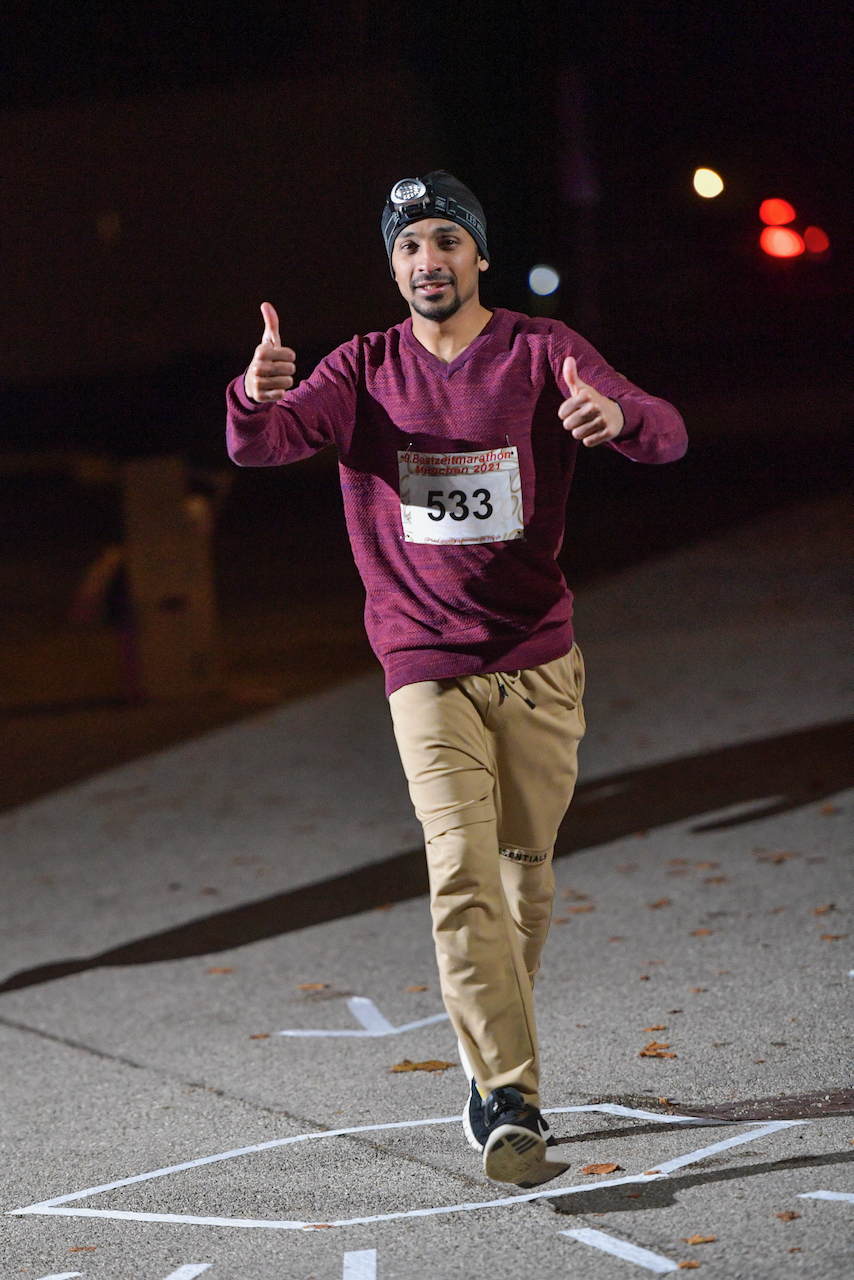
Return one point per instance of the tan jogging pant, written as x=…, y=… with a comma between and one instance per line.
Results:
x=491, y=777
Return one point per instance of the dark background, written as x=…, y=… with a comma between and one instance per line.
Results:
x=164, y=168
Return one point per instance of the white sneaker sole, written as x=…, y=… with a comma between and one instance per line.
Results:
x=514, y=1154
x=467, y=1130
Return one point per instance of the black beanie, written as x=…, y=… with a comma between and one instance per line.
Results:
x=437, y=195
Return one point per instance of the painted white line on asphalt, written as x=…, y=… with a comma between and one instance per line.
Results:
x=827, y=1195
x=189, y=1271
x=63, y=1275
x=361, y=1265
x=373, y=1022
x=612, y=1109
x=51, y=1207
x=622, y=1249
x=774, y=1126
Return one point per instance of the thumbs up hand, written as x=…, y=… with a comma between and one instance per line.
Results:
x=592, y=418
x=271, y=373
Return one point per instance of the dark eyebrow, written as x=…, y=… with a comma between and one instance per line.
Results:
x=439, y=231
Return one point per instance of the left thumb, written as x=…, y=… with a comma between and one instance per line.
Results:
x=570, y=375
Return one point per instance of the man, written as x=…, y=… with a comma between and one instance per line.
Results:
x=457, y=433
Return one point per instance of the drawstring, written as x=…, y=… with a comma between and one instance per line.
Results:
x=502, y=689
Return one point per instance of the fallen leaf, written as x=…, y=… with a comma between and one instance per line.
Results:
x=662, y=902
x=422, y=987
x=655, y=1050
x=788, y=1215
x=797, y=1249
x=822, y=911
x=722, y=973
x=432, y=1064
x=715, y=879
x=601, y=1168
x=697, y=1239
x=775, y=911
x=707, y=866
x=651, y=1171
x=561, y=920
x=571, y=893
x=312, y=986
x=659, y=1026
x=697, y=990
x=776, y=857
x=833, y=937
x=758, y=1061
x=663, y=1101
x=829, y=809
x=689, y=1265
x=644, y=977
x=675, y=1010
x=319, y=1226
x=578, y=911
x=225, y=968
x=83, y=1248
x=701, y=933
x=262, y=1035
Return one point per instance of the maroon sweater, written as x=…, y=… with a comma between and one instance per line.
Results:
x=440, y=611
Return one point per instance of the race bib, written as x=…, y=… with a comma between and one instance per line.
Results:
x=461, y=497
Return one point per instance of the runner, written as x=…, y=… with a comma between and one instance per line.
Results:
x=457, y=433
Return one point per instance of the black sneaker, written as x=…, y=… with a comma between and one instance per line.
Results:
x=519, y=1146
x=474, y=1124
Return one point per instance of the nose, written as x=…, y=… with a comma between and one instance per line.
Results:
x=427, y=261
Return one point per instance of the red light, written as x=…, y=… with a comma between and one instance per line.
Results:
x=780, y=242
x=776, y=212
x=816, y=240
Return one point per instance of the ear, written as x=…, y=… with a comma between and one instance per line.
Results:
x=482, y=263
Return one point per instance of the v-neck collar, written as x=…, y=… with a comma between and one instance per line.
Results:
x=446, y=370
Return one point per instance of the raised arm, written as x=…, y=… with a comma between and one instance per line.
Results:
x=269, y=421
x=603, y=407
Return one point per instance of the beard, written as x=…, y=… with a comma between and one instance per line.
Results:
x=438, y=311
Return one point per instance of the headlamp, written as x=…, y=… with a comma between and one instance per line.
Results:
x=409, y=195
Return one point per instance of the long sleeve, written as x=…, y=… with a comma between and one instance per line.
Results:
x=317, y=413
x=653, y=431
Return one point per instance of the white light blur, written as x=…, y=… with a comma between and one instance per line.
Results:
x=708, y=184
x=543, y=280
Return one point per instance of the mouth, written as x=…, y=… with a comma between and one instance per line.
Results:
x=430, y=288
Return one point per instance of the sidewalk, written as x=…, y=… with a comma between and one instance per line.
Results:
x=704, y=905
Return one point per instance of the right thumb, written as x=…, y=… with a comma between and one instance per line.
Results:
x=271, y=325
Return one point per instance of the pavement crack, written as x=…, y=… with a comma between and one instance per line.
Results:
x=301, y=1121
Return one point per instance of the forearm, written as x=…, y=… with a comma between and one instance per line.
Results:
x=653, y=430
x=316, y=414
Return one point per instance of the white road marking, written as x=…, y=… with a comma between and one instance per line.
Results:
x=373, y=1022
x=361, y=1265
x=827, y=1195
x=52, y=1207
x=189, y=1271
x=622, y=1249
x=63, y=1275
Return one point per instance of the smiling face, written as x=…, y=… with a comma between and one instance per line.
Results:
x=437, y=268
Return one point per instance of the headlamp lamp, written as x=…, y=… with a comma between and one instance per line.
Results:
x=409, y=196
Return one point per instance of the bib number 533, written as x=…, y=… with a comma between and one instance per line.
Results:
x=437, y=509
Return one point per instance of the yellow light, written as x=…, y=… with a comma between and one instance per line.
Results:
x=708, y=184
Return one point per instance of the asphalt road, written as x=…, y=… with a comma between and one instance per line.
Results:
x=163, y=921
